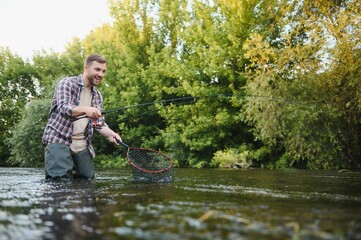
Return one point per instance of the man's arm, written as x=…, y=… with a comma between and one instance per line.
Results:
x=110, y=134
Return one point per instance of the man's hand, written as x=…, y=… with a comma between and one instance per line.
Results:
x=110, y=135
x=114, y=138
x=91, y=112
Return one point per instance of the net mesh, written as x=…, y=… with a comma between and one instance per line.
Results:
x=160, y=177
x=150, y=166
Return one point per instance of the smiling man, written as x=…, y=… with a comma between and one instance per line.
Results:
x=76, y=106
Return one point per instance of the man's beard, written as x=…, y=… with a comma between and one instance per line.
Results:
x=93, y=81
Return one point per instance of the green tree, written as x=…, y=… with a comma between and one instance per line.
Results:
x=51, y=66
x=175, y=49
x=312, y=118
x=17, y=86
x=208, y=63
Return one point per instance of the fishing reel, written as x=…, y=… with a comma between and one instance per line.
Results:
x=99, y=123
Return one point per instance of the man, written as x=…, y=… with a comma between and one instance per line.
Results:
x=75, y=109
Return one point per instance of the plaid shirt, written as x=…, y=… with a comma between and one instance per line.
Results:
x=60, y=122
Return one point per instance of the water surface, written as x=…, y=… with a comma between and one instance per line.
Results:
x=198, y=204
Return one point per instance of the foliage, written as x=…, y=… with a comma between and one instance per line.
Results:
x=25, y=142
x=308, y=73
x=51, y=67
x=243, y=157
x=232, y=158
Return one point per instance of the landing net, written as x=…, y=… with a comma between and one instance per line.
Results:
x=150, y=166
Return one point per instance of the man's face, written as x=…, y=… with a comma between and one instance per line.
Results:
x=95, y=72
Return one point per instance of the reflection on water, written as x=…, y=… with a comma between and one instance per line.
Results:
x=198, y=204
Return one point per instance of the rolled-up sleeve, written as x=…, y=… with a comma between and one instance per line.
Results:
x=65, y=99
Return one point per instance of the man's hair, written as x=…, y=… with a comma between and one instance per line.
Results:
x=94, y=57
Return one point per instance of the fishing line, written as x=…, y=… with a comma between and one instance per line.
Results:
x=195, y=98
x=149, y=103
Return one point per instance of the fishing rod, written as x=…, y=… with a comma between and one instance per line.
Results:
x=190, y=99
x=187, y=100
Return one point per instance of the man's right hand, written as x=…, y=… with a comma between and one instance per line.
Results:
x=90, y=112
x=93, y=113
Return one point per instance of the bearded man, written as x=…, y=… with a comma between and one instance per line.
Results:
x=76, y=108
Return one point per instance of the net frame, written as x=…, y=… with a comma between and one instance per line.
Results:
x=134, y=155
x=149, y=165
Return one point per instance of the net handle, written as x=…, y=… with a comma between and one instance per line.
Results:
x=122, y=143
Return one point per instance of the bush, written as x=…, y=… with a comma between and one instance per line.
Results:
x=232, y=158
x=25, y=141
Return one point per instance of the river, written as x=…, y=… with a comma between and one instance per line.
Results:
x=197, y=204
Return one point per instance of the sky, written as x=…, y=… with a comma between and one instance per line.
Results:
x=32, y=25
